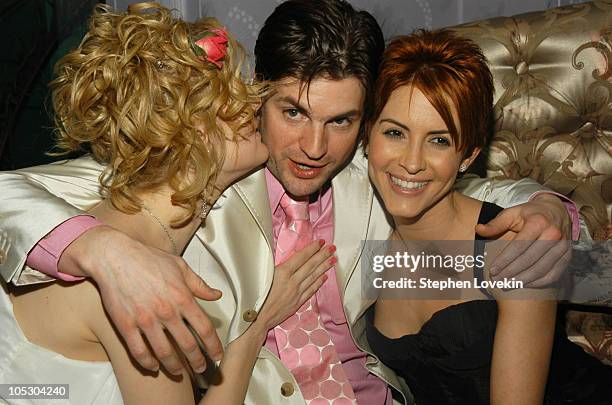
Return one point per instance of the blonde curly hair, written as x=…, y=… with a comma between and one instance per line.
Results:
x=136, y=94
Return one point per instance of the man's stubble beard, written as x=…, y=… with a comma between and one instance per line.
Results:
x=310, y=191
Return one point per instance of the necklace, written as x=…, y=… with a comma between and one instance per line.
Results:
x=399, y=237
x=416, y=244
x=172, y=241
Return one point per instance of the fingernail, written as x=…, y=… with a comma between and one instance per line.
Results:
x=332, y=248
x=333, y=261
x=321, y=242
x=200, y=369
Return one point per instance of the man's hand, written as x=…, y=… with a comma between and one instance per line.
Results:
x=146, y=291
x=545, y=226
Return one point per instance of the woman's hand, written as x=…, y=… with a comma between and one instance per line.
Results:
x=295, y=281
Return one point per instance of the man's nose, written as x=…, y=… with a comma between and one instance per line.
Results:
x=314, y=142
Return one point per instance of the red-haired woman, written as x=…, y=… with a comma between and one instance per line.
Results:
x=433, y=106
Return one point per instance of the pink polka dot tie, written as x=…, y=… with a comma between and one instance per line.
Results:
x=304, y=345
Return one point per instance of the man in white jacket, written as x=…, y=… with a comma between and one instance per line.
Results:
x=312, y=133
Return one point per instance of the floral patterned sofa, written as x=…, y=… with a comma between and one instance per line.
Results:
x=553, y=85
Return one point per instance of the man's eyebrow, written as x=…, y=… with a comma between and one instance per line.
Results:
x=295, y=103
x=348, y=114
x=399, y=124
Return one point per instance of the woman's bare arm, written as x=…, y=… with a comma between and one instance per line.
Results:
x=521, y=351
x=523, y=340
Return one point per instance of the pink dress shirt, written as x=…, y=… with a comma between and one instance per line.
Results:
x=45, y=255
x=368, y=388
x=571, y=208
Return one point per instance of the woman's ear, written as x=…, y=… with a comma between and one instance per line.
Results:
x=465, y=163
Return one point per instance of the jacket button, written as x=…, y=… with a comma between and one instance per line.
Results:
x=249, y=315
x=287, y=389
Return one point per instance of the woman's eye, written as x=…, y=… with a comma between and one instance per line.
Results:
x=393, y=133
x=441, y=141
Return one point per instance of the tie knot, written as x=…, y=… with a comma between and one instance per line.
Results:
x=294, y=210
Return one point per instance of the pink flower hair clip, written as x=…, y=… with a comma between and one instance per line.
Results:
x=211, y=46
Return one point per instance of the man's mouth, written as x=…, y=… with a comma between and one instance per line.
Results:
x=304, y=171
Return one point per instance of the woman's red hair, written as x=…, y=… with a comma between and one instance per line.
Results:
x=452, y=73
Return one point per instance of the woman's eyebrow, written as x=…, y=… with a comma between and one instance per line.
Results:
x=399, y=124
x=394, y=122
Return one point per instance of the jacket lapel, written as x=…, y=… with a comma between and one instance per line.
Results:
x=254, y=194
x=358, y=217
x=352, y=196
x=239, y=236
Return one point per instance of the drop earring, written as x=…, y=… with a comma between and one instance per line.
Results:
x=204, y=207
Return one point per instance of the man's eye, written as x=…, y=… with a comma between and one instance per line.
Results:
x=342, y=122
x=393, y=133
x=292, y=112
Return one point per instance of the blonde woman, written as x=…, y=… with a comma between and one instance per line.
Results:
x=162, y=104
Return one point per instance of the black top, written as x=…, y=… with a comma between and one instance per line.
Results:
x=449, y=360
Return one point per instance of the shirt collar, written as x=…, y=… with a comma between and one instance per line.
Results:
x=276, y=192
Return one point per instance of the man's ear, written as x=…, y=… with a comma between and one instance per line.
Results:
x=259, y=117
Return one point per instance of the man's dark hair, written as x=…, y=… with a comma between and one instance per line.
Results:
x=307, y=39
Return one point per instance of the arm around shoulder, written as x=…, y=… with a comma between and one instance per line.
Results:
x=505, y=193
x=137, y=385
x=37, y=199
